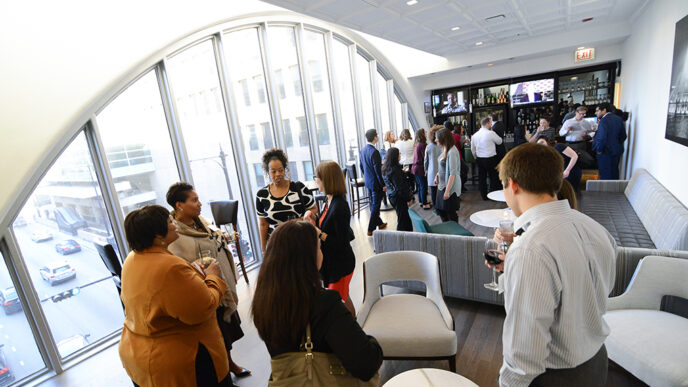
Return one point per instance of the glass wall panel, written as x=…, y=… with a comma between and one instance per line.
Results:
x=399, y=118
x=384, y=103
x=137, y=144
x=19, y=355
x=244, y=61
x=283, y=60
x=315, y=57
x=57, y=231
x=206, y=135
x=363, y=73
x=342, y=69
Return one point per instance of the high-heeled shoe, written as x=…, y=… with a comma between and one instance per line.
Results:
x=243, y=373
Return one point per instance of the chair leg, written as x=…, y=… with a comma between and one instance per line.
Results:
x=452, y=364
x=237, y=244
x=358, y=201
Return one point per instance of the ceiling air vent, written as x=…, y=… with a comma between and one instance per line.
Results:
x=495, y=18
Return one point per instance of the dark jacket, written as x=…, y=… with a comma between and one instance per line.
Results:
x=338, y=256
x=610, y=136
x=418, y=166
x=370, y=165
x=498, y=128
x=335, y=330
x=397, y=189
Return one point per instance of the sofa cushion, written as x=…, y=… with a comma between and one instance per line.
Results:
x=613, y=211
x=451, y=228
x=664, y=217
x=649, y=344
x=409, y=325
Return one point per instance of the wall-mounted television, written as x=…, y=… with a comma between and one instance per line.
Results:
x=541, y=90
x=449, y=103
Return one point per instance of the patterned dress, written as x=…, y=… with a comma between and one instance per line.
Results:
x=292, y=205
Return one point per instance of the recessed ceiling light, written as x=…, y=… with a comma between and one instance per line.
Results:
x=490, y=64
x=574, y=78
x=455, y=28
x=478, y=43
x=580, y=48
x=412, y=2
x=587, y=19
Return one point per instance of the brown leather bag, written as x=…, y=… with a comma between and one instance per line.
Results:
x=313, y=369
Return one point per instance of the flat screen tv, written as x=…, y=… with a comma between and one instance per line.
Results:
x=532, y=92
x=449, y=103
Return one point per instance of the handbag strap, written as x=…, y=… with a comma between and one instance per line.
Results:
x=309, y=352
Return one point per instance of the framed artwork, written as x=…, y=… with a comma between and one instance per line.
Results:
x=677, y=114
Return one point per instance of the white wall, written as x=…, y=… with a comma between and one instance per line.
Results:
x=647, y=60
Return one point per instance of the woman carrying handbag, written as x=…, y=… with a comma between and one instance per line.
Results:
x=448, y=177
x=289, y=301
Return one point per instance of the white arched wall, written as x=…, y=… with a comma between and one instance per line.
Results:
x=62, y=61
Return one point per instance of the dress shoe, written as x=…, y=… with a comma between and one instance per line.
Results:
x=382, y=226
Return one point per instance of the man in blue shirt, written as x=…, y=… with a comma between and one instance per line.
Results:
x=609, y=141
x=370, y=165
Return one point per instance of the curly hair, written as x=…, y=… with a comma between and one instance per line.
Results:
x=275, y=154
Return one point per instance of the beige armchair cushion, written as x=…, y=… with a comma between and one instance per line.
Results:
x=650, y=344
x=409, y=325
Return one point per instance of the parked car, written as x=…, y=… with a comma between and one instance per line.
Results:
x=19, y=222
x=56, y=272
x=10, y=301
x=6, y=376
x=41, y=236
x=69, y=246
x=72, y=344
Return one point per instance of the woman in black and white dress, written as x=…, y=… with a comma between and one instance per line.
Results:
x=282, y=199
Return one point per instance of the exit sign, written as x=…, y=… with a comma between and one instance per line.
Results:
x=584, y=54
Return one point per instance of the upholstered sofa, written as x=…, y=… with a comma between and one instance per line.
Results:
x=462, y=268
x=638, y=212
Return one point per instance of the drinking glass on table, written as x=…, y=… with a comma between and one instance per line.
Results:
x=493, y=251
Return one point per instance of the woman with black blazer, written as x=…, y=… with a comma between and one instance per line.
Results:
x=397, y=189
x=334, y=231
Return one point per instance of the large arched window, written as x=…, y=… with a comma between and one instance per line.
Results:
x=204, y=112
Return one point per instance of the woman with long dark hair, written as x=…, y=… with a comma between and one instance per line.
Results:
x=418, y=168
x=289, y=296
x=448, y=177
x=397, y=189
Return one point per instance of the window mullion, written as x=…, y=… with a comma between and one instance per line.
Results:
x=358, y=103
x=272, y=91
x=308, y=97
x=107, y=185
x=372, y=69
x=236, y=141
x=171, y=115
x=334, y=94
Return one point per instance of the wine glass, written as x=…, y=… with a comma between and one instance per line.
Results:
x=493, y=250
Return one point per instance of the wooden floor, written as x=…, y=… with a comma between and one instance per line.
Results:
x=478, y=325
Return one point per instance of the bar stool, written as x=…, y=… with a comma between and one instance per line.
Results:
x=468, y=154
x=357, y=201
x=224, y=213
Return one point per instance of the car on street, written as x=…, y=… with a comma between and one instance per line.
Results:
x=41, y=236
x=69, y=246
x=57, y=271
x=19, y=222
x=10, y=301
x=6, y=376
x=72, y=344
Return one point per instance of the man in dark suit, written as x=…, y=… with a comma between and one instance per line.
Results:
x=608, y=142
x=498, y=127
x=370, y=165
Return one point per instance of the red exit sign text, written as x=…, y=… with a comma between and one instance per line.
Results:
x=584, y=54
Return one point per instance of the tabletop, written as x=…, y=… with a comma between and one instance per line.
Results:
x=429, y=377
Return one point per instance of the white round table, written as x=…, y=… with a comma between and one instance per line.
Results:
x=491, y=218
x=497, y=196
x=429, y=377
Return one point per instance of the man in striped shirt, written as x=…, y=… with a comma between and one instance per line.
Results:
x=557, y=276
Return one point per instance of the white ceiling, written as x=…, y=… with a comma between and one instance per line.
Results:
x=428, y=24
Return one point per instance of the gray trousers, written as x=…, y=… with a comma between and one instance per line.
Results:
x=592, y=373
